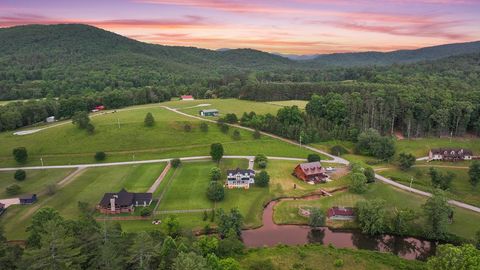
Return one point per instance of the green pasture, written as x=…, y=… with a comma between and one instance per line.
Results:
x=460, y=188
x=224, y=106
x=36, y=181
x=299, y=103
x=465, y=222
x=89, y=186
x=190, y=182
x=131, y=140
x=323, y=257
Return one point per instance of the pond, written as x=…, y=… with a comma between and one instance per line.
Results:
x=271, y=234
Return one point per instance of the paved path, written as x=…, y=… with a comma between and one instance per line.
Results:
x=157, y=182
x=334, y=159
x=423, y=193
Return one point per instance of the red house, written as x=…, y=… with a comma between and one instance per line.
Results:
x=310, y=172
x=100, y=108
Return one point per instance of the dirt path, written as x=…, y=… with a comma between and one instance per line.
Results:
x=157, y=182
x=443, y=166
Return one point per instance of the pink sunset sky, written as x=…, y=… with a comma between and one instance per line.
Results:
x=285, y=26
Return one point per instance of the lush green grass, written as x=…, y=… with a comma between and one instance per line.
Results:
x=420, y=147
x=465, y=222
x=225, y=106
x=89, y=186
x=36, y=181
x=323, y=257
x=460, y=188
x=190, y=182
x=133, y=141
x=299, y=103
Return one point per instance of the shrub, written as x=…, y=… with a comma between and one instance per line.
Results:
x=313, y=157
x=236, y=135
x=20, y=175
x=90, y=128
x=224, y=128
x=338, y=263
x=13, y=190
x=215, y=174
x=260, y=157
x=369, y=174
x=231, y=118
x=20, y=154
x=149, y=120
x=187, y=127
x=338, y=150
x=215, y=192
x=358, y=183
x=205, y=216
x=262, y=179
x=204, y=127
x=100, y=156
x=262, y=164
x=216, y=151
x=145, y=212
x=81, y=119
x=317, y=218
x=176, y=162
x=256, y=134
x=51, y=189
x=406, y=161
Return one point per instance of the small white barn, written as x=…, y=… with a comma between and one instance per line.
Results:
x=50, y=119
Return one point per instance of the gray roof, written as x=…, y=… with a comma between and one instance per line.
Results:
x=240, y=171
x=448, y=152
x=209, y=110
x=125, y=198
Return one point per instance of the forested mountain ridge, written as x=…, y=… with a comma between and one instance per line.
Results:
x=394, y=57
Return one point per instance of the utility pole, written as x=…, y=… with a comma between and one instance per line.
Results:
x=300, y=139
x=411, y=181
x=118, y=122
x=41, y=160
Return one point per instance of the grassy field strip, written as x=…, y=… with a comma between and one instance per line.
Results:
x=335, y=159
x=183, y=211
x=443, y=166
x=164, y=191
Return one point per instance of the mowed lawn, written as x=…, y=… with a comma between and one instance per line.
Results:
x=465, y=222
x=299, y=103
x=131, y=140
x=224, y=106
x=36, y=181
x=89, y=187
x=189, y=185
x=460, y=188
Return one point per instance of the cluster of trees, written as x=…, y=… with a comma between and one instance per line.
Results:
x=57, y=243
x=360, y=177
x=374, y=218
x=23, y=113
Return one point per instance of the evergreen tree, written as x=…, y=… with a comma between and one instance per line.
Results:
x=216, y=152
x=149, y=121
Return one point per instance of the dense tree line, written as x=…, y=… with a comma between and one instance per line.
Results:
x=18, y=114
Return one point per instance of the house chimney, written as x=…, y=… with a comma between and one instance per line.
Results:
x=112, y=203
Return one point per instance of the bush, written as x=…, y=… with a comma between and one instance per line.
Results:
x=236, y=135
x=313, y=158
x=406, y=161
x=358, y=183
x=262, y=164
x=20, y=175
x=262, y=179
x=145, y=212
x=187, y=127
x=338, y=150
x=224, y=128
x=204, y=127
x=81, y=119
x=215, y=174
x=215, y=192
x=100, y=156
x=149, y=120
x=256, y=134
x=317, y=218
x=90, y=128
x=231, y=118
x=13, y=190
x=20, y=154
x=369, y=174
x=338, y=263
x=51, y=189
x=176, y=162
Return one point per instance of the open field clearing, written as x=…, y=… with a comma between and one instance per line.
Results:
x=299, y=103
x=188, y=190
x=465, y=222
x=36, y=181
x=224, y=106
x=89, y=186
x=460, y=188
x=131, y=140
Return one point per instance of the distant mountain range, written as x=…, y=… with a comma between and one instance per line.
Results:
x=48, y=44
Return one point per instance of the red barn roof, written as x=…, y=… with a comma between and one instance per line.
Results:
x=187, y=97
x=340, y=211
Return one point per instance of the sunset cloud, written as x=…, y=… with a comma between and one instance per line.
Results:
x=286, y=26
